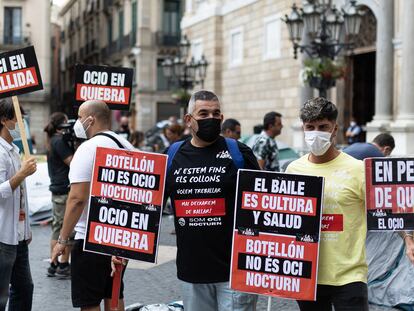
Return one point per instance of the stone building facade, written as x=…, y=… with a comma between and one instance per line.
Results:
x=253, y=70
x=129, y=33
x=26, y=23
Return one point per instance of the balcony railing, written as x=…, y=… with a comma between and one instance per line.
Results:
x=167, y=39
x=22, y=39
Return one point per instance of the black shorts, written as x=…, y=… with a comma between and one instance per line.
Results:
x=349, y=297
x=91, y=277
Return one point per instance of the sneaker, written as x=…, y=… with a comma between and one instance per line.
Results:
x=63, y=273
x=51, y=270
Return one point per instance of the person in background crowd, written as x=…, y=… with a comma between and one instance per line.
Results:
x=257, y=129
x=342, y=271
x=124, y=130
x=382, y=146
x=173, y=120
x=137, y=139
x=59, y=155
x=160, y=142
x=204, y=252
x=174, y=133
x=15, y=233
x=265, y=148
x=231, y=129
x=354, y=132
x=90, y=272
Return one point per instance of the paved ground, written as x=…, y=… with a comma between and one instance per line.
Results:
x=145, y=283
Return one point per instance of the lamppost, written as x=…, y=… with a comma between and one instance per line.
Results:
x=185, y=70
x=323, y=23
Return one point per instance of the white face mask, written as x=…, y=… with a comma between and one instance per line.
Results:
x=14, y=133
x=318, y=142
x=79, y=130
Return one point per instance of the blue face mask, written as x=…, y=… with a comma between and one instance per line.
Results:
x=14, y=133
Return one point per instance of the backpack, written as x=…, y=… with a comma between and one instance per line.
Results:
x=232, y=147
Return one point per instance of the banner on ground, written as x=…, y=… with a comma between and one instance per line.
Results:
x=19, y=72
x=276, y=234
x=389, y=193
x=113, y=85
x=125, y=204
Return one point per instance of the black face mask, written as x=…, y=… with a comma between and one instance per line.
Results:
x=208, y=129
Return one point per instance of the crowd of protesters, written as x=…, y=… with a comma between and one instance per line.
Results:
x=203, y=254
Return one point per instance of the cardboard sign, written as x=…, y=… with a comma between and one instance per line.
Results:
x=276, y=234
x=113, y=85
x=389, y=194
x=19, y=72
x=125, y=206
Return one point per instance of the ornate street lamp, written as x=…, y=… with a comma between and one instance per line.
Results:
x=185, y=70
x=323, y=24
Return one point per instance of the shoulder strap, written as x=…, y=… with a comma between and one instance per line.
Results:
x=235, y=153
x=111, y=137
x=172, y=150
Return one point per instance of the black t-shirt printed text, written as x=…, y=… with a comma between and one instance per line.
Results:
x=202, y=185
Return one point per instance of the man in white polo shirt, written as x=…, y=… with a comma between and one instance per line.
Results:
x=91, y=280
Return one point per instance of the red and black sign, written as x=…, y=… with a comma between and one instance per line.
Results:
x=19, y=72
x=390, y=194
x=113, y=85
x=125, y=206
x=276, y=234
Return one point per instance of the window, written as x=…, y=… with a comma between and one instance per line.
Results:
x=134, y=19
x=197, y=49
x=109, y=34
x=272, y=37
x=236, y=47
x=13, y=25
x=171, y=21
x=162, y=81
x=120, y=27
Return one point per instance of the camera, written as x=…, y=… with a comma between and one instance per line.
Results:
x=68, y=133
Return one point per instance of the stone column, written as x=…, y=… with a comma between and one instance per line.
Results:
x=384, y=71
x=403, y=128
x=406, y=107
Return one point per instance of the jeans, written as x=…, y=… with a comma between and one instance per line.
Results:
x=216, y=297
x=349, y=297
x=15, y=271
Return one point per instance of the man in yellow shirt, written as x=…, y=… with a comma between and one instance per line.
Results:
x=342, y=274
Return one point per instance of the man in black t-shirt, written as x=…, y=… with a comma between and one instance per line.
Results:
x=201, y=182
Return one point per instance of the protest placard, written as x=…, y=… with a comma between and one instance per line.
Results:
x=19, y=72
x=125, y=204
x=113, y=85
x=276, y=234
x=389, y=193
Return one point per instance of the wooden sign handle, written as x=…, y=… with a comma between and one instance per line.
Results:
x=21, y=126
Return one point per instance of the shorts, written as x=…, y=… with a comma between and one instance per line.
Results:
x=348, y=297
x=91, y=279
x=58, y=212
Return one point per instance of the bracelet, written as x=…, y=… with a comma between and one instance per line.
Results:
x=62, y=241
